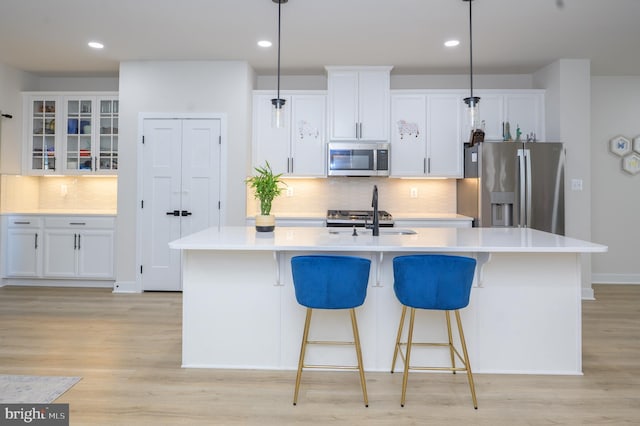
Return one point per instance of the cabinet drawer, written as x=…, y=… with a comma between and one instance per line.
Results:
x=24, y=222
x=80, y=222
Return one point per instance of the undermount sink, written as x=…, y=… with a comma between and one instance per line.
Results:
x=383, y=231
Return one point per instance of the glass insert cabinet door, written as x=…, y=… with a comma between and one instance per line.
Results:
x=108, y=135
x=43, y=134
x=79, y=156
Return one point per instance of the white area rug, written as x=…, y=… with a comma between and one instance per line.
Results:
x=33, y=389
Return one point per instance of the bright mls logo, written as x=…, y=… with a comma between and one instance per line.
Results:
x=34, y=414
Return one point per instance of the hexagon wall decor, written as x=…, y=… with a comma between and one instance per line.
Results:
x=620, y=146
x=631, y=163
x=636, y=144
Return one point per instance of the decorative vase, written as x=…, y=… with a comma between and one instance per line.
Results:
x=265, y=223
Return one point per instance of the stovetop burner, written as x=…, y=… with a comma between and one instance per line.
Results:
x=357, y=218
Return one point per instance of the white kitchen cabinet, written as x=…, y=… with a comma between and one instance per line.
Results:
x=78, y=247
x=71, y=133
x=23, y=246
x=358, y=101
x=298, y=149
x=519, y=108
x=91, y=134
x=425, y=136
x=42, y=143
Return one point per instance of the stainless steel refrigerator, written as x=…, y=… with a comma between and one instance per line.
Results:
x=517, y=184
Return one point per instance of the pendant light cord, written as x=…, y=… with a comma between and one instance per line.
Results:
x=471, y=48
x=279, y=19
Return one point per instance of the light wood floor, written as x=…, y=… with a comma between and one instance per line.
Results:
x=127, y=350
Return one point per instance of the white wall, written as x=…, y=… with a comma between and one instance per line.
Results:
x=180, y=87
x=615, y=110
x=319, y=82
x=568, y=99
x=74, y=84
x=12, y=82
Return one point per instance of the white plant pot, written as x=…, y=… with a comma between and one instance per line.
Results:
x=265, y=223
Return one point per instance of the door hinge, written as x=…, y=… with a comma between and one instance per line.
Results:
x=141, y=269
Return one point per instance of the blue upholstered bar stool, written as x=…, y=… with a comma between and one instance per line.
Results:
x=330, y=282
x=435, y=282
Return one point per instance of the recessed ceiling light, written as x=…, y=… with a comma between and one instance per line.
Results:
x=264, y=43
x=95, y=45
x=452, y=43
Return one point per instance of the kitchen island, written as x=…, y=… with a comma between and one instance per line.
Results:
x=239, y=307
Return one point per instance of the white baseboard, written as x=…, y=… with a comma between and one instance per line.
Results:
x=126, y=287
x=615, y=278
x=587, y=294
x=36, y=282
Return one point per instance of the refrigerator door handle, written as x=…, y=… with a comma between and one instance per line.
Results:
x=521, y=188
x=527, y=156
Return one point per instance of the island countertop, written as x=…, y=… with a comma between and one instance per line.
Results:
x=494, y=240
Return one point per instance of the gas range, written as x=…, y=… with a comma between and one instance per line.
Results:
x=358, y=218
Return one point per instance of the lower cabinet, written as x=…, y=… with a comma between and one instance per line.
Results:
x=58, y=247
x=23, y=252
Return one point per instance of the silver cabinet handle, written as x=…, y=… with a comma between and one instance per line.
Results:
x=22, y=223
x=360, y=137
x=36, y=241
x=77, y=223
x=75, y=241
x=79, y=241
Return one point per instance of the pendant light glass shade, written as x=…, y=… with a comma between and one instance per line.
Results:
x=473, y=102
x=277, y=114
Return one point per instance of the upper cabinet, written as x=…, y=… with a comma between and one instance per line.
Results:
x=71, y=133
x=298, y=149
x=523, y=109
x=358, y=103
x=42, y=145
x=425, y=135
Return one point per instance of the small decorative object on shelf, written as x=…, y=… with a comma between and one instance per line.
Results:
x=506, y=131
x=266, y=187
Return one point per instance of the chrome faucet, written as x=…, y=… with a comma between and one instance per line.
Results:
x=376, y=220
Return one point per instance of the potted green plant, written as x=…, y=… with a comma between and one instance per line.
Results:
x=266, y=187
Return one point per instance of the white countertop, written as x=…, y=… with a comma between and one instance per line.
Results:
x=506, y=240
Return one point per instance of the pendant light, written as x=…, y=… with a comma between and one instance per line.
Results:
x=277, y=117
x=472, y=101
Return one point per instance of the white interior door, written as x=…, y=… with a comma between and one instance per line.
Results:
x=181, y=192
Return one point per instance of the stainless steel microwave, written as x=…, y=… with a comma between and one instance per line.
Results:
x=358, y=159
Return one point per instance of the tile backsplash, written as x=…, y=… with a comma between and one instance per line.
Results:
x=305, y=197
x=72, y=194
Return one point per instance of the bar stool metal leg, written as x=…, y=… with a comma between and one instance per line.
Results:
x=407, y=357
x=356, y=338
x=466, y=361
x=303, y=349
x=451, y=352
x=397, y=349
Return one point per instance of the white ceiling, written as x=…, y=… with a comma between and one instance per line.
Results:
x=50, y=37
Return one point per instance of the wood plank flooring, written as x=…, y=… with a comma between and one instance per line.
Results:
x=127, y=348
